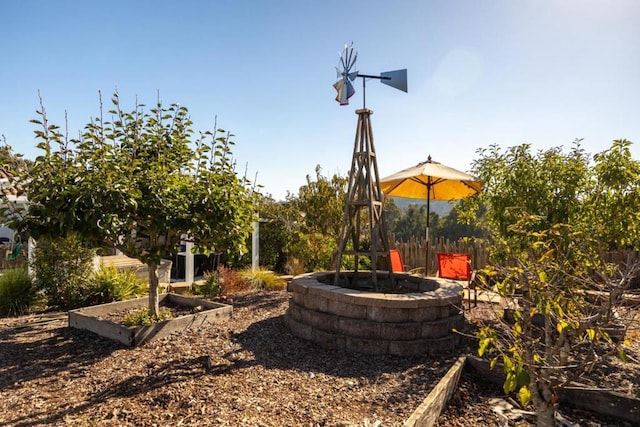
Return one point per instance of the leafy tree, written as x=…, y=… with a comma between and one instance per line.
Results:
x=549, y=217
x=322, y=203
x=412, y=224
x=13, y=166
x=602, y=198
x=453, y=228
x=408, y=224
x=392, y=214
x=613, y=205
x=139, y=182
x=10, y=161
x=559, y=330
x=549, y=184
x=279, y=222
x=320, y=210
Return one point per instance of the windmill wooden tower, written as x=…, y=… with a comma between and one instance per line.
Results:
x=363, y=206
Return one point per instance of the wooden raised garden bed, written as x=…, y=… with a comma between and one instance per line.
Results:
x=96, y=318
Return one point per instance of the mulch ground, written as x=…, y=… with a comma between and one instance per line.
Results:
x=248, y=370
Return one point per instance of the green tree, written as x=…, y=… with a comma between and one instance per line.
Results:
x=12, y=162
x=550, y=216
x=392, y=214
x=319, y=208
x=612, y=207
x=139, y=182
x=550, y=184
x=279, y=223
x=13, y=167
x=63, y=270
x=322, y=203
x=559, y=329
x=413, y=223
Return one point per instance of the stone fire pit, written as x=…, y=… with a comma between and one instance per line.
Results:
x=416, y=321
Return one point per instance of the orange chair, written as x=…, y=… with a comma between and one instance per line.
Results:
x=395, y=259
x=397, y=266
x=458, y=267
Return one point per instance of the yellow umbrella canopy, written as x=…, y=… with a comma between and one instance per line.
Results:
x=430, y=181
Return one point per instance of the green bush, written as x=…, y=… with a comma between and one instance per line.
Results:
x=261, y=278
x=63, y=269
x=114, y=285
x=17, y=293
x=142, y=316
x=211, y=287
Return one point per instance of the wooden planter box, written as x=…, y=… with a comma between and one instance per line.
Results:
x=89, y=318
x=577, y=395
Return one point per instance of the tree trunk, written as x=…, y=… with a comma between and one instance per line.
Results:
x=542, y=400
x=546, y=415
x=154, y=305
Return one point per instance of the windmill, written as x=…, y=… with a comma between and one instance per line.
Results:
x=364, y=183
x=396, y=79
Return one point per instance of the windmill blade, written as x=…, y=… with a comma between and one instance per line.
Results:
x=345, y=91
x=348, y=58
x=343, y=86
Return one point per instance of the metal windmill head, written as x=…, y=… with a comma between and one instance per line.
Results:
x=345, y=74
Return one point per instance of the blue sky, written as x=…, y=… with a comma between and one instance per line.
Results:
x=480, y=72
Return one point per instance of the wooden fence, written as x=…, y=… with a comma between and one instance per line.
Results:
x=414, y=252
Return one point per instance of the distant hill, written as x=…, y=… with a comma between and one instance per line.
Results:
x=442, y=208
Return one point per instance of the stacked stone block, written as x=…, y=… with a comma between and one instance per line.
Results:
x=375, y=323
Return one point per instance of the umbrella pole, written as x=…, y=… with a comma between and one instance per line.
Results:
x=426, y=265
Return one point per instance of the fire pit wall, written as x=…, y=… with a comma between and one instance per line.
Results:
x=404, y=324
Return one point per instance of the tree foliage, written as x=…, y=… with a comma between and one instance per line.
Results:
x=560, y=327
x=63, y=270
x=599, y=196
x=614, y=202
x=321, y=202
x=411, y=223
x=300, y=234
x=139, y=181
x=552, y=216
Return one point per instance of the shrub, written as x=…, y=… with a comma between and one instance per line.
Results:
x=63, y=269
x=115, y=285
x=211, y=287
x=142, y=316
x=261, y=278
x=231, y=282
x=17, y=293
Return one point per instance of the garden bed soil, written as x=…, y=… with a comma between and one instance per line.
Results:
x=247, y=370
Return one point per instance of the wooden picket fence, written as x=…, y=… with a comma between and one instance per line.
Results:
x=414, y=252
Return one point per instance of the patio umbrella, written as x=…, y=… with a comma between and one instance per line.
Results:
x=431, y=181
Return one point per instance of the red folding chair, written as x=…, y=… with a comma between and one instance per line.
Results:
x=458, y=267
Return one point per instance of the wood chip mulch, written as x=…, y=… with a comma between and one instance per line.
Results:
x=248, y=370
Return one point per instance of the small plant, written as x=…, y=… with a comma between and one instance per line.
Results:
x=261, y=278
x=17, y=293
x=231, y=282
x=142, y=317
x=211, y=287
x=115, y=285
